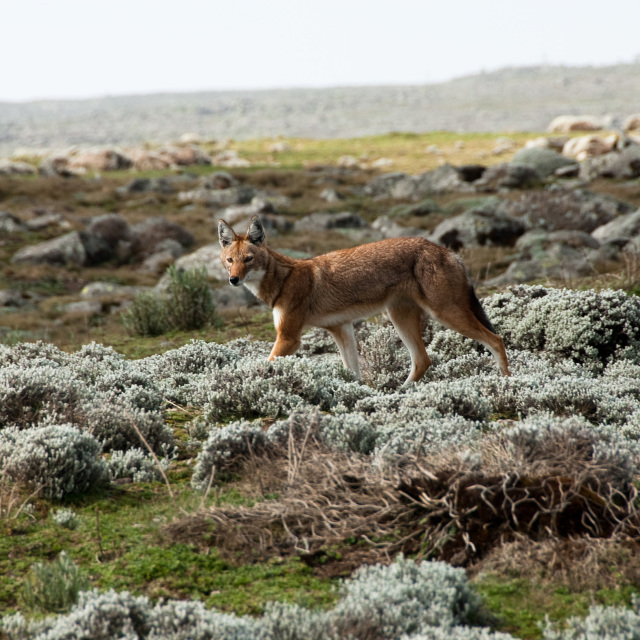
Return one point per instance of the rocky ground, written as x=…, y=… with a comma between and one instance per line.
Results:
x=77, y=245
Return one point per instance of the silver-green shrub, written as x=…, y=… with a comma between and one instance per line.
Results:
x=388, y=602
x=53, y=587
x=591, y=327
x=65, y=518
x=59, y=459
x=137, y=465
x=602, y=623
x=226, y=447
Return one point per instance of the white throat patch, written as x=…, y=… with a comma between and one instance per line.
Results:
x=253, y=280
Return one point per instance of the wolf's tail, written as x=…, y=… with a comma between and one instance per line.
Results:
x=478, y=311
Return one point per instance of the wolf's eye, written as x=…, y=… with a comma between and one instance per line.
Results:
x=248, y=259
x=229, y=259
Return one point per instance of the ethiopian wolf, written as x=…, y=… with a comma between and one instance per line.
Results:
x=403, y=276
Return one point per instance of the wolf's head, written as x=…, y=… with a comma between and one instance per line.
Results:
x=243, y=255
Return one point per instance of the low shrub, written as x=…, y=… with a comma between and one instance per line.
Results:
x=58, y=459
x=53, y=587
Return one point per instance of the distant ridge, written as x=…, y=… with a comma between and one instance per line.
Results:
x=510, y=99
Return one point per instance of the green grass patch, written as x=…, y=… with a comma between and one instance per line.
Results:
x=521, y=606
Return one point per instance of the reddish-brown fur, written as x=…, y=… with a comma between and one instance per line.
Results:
x=403, y=276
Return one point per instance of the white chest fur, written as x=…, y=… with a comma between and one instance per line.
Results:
x=253, y=281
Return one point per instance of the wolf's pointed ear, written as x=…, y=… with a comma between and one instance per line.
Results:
x=226, y=234
x=255, y=232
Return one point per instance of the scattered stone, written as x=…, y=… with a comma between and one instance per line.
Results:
x=623, y=164
x=348, y=162
x=504, y=145
x=478, y=227
x=331, y=195
x=227, y=298
x=44, y=220
x=544, y=161
x=624, y=226
x=218, y=180
x=390, y=229
x=147, y=185
x=15, y=168
x=382, y=163
x=153, y=236
x=381, y=186
x=559, y=208
x=632, y=123
x=207, y=257
x=99, y=160
x=229, y=158
x=588, y=146
x=104, y=289
x=86, y=307
x=570, y=171
x=68, y=249
x=57, y=166
x=508, y=176
x=160, y=261
x=554, y=143
x=218, y=197
x=183, y=156
x=10, y=223
x=566, y=123
x=324, y=221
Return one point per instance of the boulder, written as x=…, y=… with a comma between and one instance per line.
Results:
x=100, y=160
x=623, y=164
x=147, y=185
x=57, y=166
x=559, y=208
x=218, y=197
x=381, y=186
x=632, y=123
x=152, y=235
x=478, y=227
x=324, y=221
x=145, y=160
x=44, y=219
x=331, y=195
x=588, y=146
x=207, y=257
x=566, y=123
x=218, y=180
x=508, y=176
x=14, y=168
x=624, y=226
x=183, y=156
x=230, y=159
x=544, y=161
x=390, y=229
x=556, y=143
x=444, y=179
x=68, y=249
x=107, y=289
x=10, y=223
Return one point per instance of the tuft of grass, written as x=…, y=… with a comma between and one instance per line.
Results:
x=53, y=587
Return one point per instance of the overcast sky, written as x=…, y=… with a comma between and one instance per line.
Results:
x=86, y=48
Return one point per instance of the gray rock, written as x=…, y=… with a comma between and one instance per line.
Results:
x=508, y=176
x=444, y=179
x=112, y=227
x=102, y=289
x=544, y=161
x=381, y=186
x=218, y=180
x=558, y=208
x=624, y=226
x=158, y=262
x=10, y=224
x=229, y=297
x=43, y=221
x=324, y=221
x=621, y=165
x=97, y=249
x=148, y=237
x=478, y=227
x=218, y=197
x=147, y=185
x=68, y=249
x=390, y=229
x=13, y=168
x=331, y=195
x=88, y=307
x=207, y=257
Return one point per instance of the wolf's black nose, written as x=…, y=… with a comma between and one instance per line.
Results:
x=234, y=280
